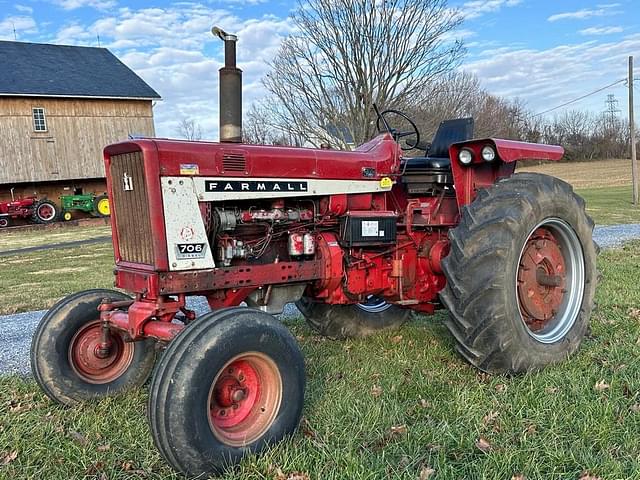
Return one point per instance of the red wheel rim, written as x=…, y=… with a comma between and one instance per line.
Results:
x=541, y=279
x=93, y=366
x=244, y=399
x=46, y=211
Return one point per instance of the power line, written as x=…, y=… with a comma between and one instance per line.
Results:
x=580, y=98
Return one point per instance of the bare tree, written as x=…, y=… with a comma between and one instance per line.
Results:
x=189, y=129
x=348, y=55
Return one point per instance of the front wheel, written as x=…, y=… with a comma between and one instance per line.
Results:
x=351, y=321
x=4, y=222
x=65, y=360
x=521, y=275
x=231, y=384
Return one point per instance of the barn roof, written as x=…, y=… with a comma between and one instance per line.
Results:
x=38, y=69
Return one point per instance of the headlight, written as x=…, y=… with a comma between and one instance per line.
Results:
x=488, y=153
x=465, y=156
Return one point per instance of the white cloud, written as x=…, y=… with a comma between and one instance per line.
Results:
x=477, y=8
x=546, y=78
x=23, y=8
x=173, y=50
x=74, y=4
x=600, y=30
x=20, y=24
x=586, y=13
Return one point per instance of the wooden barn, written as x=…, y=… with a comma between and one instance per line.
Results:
x=59, y=107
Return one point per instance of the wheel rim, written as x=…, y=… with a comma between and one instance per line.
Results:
x=67, y=216
x=46, y=212
x=93, y=366
x=550, y=280
x=3, y=222
x=374, y=304
x=244, y=399
x=103, y=207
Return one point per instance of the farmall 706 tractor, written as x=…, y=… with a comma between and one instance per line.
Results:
x=357, y=239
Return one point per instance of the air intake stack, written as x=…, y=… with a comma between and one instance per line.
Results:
x=230, y=90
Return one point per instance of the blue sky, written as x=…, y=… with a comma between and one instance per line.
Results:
x=541, y=51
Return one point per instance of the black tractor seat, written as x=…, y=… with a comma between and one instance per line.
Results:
x=422, y=174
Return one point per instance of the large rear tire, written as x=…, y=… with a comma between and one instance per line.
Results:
x=521, y=275
x=45, y=211
x=101, y=206
x=351, y=321
x=64, y=359
x=231, y=384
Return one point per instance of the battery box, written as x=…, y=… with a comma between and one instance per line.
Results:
x=368, y=228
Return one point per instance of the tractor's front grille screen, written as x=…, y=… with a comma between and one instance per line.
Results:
x=131, y=208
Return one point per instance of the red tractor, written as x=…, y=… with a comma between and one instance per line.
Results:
x=357, y=239
x=38, y=211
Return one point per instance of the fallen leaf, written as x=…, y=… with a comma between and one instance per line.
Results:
x=531, y=429
x=104, y=448
x=424, y=403
x=425, y=472
x=635, y=408
x=588, y=476
x=551, y=389
x=634, y=313
x=398, y=430
x=501, y=387
x=126, y=466
x=601, y=386
x=483, y=445
x=7, y=457
x=376, y=390
x=490, y=418
x=518, y=476
x=280, y=475
x=396, y=339
x=78, y=438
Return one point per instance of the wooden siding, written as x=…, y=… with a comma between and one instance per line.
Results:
x=77, y=131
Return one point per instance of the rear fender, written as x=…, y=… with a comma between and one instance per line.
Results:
x=468, y=179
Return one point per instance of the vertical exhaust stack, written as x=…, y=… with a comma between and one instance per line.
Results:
x=230, y=90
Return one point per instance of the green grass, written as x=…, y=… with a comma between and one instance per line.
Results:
x=35, y=281
x=11, y=240
x=610, y=205
x=548, y=425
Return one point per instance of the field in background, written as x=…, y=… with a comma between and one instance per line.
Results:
x=395, y=405
x=604, y=184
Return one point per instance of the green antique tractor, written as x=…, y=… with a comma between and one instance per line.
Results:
x=96, y=205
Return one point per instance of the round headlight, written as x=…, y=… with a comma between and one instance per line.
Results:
x=488, y=153
x=465, y=156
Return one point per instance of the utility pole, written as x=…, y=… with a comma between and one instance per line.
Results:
x=632, y=131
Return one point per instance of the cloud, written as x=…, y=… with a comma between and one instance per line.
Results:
x=600, y=30
x=477, y=8
x=74, y=4
x=585, y=13
x=23, y=8
x=544, y=78
x=173, y=50
x=20, y=24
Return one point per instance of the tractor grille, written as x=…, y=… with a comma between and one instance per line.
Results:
x=131, y=208
x=233, y=162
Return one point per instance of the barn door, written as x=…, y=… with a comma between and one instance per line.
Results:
x=45, y=159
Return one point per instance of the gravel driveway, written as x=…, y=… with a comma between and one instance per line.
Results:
x=16, y=330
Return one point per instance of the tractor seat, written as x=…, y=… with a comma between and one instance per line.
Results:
x=449, y=132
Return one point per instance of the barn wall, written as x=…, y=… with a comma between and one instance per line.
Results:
x=72, y=146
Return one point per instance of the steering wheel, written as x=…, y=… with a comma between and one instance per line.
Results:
x=397, y=135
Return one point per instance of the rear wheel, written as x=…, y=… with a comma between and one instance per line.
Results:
x=232, y=383
x=45, y=211
x=65, y=359
x=349, y=321
x=4, y=222
x=101, y=206
x=521, y=275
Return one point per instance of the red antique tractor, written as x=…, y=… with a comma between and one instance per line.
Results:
x=357, y=239
x=32, y=208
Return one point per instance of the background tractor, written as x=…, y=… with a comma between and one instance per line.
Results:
x=96, y=205
x=357, y=239
x=31, y=208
